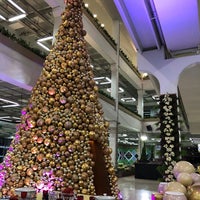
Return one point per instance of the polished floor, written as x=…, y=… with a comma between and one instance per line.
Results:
x=137, y=189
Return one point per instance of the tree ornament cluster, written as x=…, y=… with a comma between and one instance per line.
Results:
x=61, y=119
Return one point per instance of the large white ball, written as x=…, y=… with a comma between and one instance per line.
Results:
x=183, y=166
x=184, y=178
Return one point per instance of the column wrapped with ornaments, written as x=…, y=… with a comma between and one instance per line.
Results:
x=62, y=138
x=170, y=144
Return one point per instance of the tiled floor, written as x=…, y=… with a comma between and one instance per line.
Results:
x=137, y=189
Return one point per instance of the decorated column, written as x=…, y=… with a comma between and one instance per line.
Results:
x=62, y=140
x=170, y=146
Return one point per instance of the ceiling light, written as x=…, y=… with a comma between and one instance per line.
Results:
x=102, y=80
x=107, y=82
x=92, y=66
x=95, y=15
x=156, y=97
x=43, y=46
x=15, y=18
x=128, y=99
x=98, y=78
x=10, y=119
x=144, y=75
x=120, y=90
x=143, y=137
x=16, y=6
x=102, y=25
x=45, y=39
x=11, y=103
x=86, y=5
x=2, y=17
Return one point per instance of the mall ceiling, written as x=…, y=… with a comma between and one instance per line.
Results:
x=38, y=24
x=174, y=26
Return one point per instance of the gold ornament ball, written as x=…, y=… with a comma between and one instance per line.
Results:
x=176, y=187
x=184, y=178
x=194, y=192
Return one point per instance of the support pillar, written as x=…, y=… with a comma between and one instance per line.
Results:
x=170, y=143
x=112, y=142
x=140, y=105
x=115, y=94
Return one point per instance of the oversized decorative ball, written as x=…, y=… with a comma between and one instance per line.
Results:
x=184, y=178
x=183, y=166
x=176, y=187
x=195, y=177
x=194, y=192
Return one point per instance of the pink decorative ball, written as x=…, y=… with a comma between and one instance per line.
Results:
x=195, y=177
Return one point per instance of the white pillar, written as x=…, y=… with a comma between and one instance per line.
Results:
x=115, y=95
x=112, y=142
x=116, y=30
x=140, y=105
x=114, y=81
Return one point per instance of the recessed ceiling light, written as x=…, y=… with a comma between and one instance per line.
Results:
x=144, y=75
x=45, y=39
x=43, y=46
x=39, y=42
x=120, y=90
x=16, y=6
x=95, y=15
x=86, y=5
x=128, y=99
x=15, y=18
x=102, y=25
x=143, y=137
x=10, y=103
x=2, y=17
x=102, y=80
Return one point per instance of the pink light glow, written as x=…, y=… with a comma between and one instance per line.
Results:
x=2, y=178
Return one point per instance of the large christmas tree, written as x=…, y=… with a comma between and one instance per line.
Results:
x=62, y=140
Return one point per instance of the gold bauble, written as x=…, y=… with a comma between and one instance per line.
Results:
x=52, y=164
x=40, y=140
x=29, y=172
x=85, y=166
x=49, y=156
x=34, y=167
x=47, y=141
x=194, y=192
x=111, y=170
x=71, y=148
x=64, y=164
x=59, y=173
x=40, y=157
x=27, y=181
x=48, y=121
x=51, y=91
x=19, y=167
x=91, y=134
x=84, y=176
x=75, y=178
x=84, y=191
x=34, y=150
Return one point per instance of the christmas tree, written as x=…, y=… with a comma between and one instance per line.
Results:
x=62, y=140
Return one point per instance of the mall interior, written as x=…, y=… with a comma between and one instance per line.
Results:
x=144, y=56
